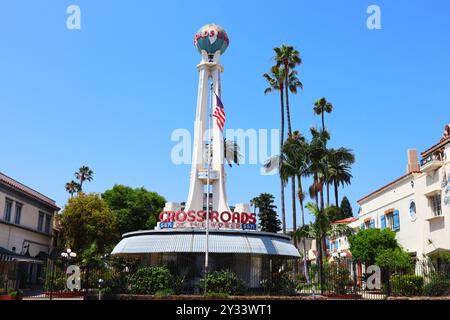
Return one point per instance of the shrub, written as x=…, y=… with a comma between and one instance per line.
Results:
x=280, y=284
x=149, y=280
x=439, y=285
x=339, y=279
x=55, y=281
x=223, y=282
x=164, y=293
x=116, y=283
x=406, y=285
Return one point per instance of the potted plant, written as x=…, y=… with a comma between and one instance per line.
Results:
x=10, y=294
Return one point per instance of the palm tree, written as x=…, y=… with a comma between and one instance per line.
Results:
x=84, y=174
x=339, y=170
x=318, y=165
x=320, y=107
x=289, y=58
x=318, y=230
x=72, y=187
x=295, y=164
x=276, y=83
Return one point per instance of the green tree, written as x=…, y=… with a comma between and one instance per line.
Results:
x=86, y=219
x=368, y=243
x=72, y=187
x=322, y=106
x=134, y=209
x=294, y=163
x=275, y=80
x=339, y=163
x=267, y=215
x=393, y=258
x=289, y=58
x=84, y=174
x=346, y=208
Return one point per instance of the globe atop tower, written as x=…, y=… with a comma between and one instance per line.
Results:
x=211, y=38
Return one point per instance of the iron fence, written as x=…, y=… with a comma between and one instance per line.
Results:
x=340, y=280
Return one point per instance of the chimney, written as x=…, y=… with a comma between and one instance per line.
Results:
x=413, y=161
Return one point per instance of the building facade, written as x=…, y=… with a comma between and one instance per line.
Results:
x=26, y=231
x=415, y=206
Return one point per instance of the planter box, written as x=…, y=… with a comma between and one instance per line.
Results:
x=64, y=294
x=9, y=298
x=199, y=297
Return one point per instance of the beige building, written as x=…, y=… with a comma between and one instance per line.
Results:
x=417, y=205
x=26, y=231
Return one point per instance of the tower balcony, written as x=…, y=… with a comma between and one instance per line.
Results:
x=202, y=174
x=430, y=163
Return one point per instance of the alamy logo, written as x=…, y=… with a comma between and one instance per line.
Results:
x=74, y=278
x=374, y=19
x=73, y=21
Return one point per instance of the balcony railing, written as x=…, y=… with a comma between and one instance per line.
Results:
x=430, y=158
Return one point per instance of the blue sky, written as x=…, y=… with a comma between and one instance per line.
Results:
x=110, y=95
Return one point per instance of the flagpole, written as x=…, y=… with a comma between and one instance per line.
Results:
x=207, y=187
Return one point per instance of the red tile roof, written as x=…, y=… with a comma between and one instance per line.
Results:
x=346, y=221
x=28, y=191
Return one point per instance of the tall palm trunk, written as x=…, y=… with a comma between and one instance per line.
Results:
x=283, y=209
x=288, y=113
x=336, y=192
x=305, y=252
x=323, y=120
x=328, y=194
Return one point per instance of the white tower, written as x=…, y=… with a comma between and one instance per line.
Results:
x=211, y=41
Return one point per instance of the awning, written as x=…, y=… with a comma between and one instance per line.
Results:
x=389, y=211
x=366, y=220
x=194, y=242
x=6, y=255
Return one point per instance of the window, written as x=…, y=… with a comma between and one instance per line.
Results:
x=412, y=210
x=436, y=205
x=40, y=221
x=18, y=213
x=391, y=221
x=8, y=209
x=369, y=224
x=48, y=219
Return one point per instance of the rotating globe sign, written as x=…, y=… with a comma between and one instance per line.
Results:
x=211, y=38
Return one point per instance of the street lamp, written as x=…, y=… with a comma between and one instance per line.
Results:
x=69, y=254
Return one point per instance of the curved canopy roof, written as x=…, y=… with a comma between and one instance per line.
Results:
x=193, y=241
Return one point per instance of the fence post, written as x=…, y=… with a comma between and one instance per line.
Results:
x=52, y=275
x=355, y=278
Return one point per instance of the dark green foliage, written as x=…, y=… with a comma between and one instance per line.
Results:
x=346, y=209
x=339, y=278
x=406, y=285
x=280, y=284
x=438, y=285
x=223, y=282
x=135, y=209
x=266, y=213
x=164, y=293
x=149, y=280
x=55, y=281
x=368, y=243
x=394, y=259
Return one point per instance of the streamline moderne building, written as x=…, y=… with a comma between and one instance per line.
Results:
x=185, y=236
x=26, y=232
x=416, y=205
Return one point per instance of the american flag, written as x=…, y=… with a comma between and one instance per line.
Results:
x=219, y=113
